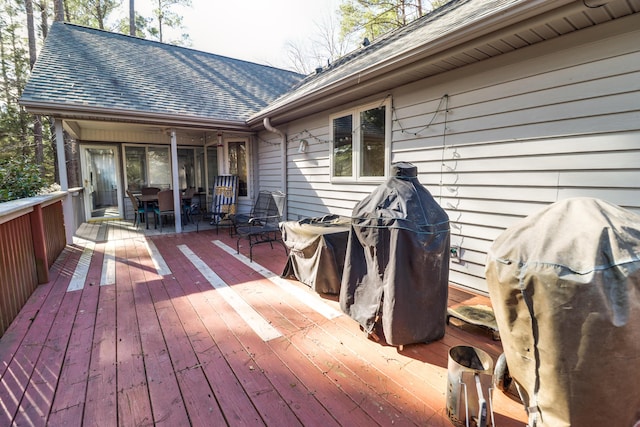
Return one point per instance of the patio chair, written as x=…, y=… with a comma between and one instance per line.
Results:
x=138, y=209
x=187, y=203
x=164, y=207
x=149, y=190
x=225, y=195
x=262, y=224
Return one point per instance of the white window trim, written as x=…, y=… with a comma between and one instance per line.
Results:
x=355, y=114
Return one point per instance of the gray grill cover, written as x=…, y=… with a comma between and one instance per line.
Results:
x=397, y=261
x=565, y=288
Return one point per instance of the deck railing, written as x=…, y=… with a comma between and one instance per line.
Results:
x=32, y=235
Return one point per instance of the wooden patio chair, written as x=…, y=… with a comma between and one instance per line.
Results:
x=224, y=205
x=164, y=207
x=262, y=224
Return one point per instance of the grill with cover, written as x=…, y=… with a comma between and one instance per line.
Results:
x=397, y=261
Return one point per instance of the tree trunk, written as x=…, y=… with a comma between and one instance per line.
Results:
x=37, y=122
x=160, y=11
x=58, y=10
x=132, y=18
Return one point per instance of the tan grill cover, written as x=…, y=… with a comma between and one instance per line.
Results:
x=565, y=288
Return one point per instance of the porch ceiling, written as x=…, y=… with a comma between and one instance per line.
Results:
x=132, y=132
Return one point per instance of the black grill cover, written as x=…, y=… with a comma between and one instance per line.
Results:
x=565, y=288
x=397, y=261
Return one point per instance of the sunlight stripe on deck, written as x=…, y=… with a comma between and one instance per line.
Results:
x=108, y=276
x=244, y=310
x=158, y=261
x=82, y=268
x=305, y=297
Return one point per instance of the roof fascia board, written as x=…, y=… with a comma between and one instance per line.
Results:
x=483, y=27
x=75, y=113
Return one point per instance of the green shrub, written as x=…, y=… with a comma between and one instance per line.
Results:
x=19, y=178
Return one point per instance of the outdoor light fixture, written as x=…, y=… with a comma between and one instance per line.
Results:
x=303, y=146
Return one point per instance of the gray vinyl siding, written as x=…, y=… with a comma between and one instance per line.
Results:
x=556, y=120
x=269, y=164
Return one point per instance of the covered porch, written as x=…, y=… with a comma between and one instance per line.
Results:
x=177, y=329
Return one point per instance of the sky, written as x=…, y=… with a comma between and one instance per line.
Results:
x=252, y=30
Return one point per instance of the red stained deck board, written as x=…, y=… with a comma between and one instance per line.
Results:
x=68, y=405
x=262, y=304
x=322, y=372
x=302, y=401
x=260, y=294
x=311, y=359
x=203, y=408
x=134, y=407
x=225, y=387
x=273, y=408
x=18, y=375
x=196, y=393
x=13, y=336
x=330, y=394
x=164, y=392
x=248, y=294
x=285, y=307
x=101, y=401
x=267, y=401
x=70, y=396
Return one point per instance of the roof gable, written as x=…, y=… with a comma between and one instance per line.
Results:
x=89, y=69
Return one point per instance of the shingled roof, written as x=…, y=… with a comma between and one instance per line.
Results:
x=84, y=69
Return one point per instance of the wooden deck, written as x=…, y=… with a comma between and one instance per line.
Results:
x=198, y=336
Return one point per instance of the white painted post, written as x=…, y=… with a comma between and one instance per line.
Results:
x=177, y=204
x=67, y=203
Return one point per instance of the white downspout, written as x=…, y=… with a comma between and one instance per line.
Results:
x=177, y=203
x=283, y=157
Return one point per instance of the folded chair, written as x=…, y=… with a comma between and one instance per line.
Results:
x=225, y=196
x=262, y=224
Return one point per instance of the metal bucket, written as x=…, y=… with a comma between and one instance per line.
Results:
x=469, y=387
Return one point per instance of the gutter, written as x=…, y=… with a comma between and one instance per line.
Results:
x=283, y=156
x=72, y=112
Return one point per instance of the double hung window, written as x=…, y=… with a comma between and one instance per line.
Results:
x=360, y=144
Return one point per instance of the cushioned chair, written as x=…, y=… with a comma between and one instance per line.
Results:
x=262, y=224
x=165, y=206
x=138, y=209
x=187, y=203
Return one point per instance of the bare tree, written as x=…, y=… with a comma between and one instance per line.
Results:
x=322, y=49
